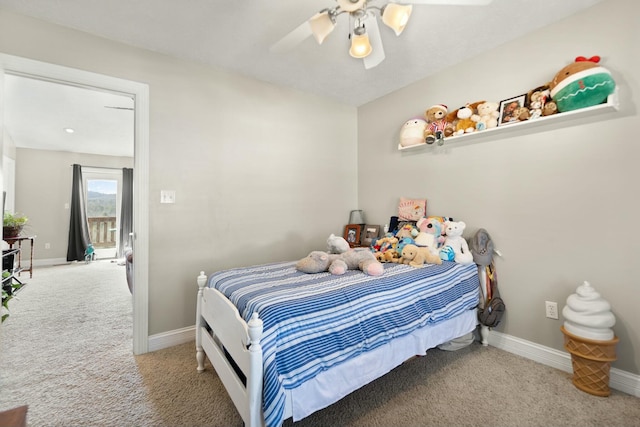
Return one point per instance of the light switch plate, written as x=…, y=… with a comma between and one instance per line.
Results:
x=167, y=196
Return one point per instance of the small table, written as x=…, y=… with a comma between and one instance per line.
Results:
x=16, y=417
x=11, y=241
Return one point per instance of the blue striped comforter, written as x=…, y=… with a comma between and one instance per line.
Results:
x=315, y=321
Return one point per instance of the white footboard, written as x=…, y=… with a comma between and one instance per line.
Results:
x=222, y=335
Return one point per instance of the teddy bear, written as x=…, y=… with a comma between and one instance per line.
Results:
x=338, y=264
x=522, y=114
x=462, y=118
x=454, y=244
x=536, y=99
x=412, y=132
x=487, y=115
x=437, y=126
x=549, y=108
x=581, y=84
x=416, y=256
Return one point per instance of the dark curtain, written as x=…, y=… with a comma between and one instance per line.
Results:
x=126, y=211
x=79, y=238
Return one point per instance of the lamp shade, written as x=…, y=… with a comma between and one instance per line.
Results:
x=396, y=16
x=360, y=46
x=356, y=217
x=321, y=25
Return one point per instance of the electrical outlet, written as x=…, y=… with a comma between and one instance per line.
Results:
x=552, y=309
x=47, y=245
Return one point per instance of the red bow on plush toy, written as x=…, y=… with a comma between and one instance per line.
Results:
x=595, y=59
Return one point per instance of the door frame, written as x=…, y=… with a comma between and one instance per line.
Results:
x=10, y=64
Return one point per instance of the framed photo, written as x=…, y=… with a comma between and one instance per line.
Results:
x=509, y=109
x=352, y=234
x=370, y=234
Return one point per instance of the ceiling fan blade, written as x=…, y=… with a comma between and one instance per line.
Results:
x=292, y=39
x=450, y=2
x=118, y=108
x=377, y=50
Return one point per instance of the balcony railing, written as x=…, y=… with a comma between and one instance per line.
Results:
x=102, y=230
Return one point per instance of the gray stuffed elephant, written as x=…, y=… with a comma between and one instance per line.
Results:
x=353, y=259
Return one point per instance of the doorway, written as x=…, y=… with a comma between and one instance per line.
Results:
x=140, y=93
x=103, y=190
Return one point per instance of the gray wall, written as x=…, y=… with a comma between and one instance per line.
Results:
x=258, y=174
x=43, y=186
x=561, y=202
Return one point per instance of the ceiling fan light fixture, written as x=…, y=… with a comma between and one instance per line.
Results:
x=322, y=24
x=396, y=16
x=351, y=5
x=360, y=45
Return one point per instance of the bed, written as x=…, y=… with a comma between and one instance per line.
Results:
x=286, y=344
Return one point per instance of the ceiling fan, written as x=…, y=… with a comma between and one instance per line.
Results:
x=366, y=42
x=118, y=108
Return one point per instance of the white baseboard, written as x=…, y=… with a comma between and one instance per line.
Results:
x=623, y=381
x=48, y=262
x=171, y=338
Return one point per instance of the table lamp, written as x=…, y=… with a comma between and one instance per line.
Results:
x=356, y=217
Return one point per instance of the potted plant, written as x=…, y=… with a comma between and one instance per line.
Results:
x=12, y=224
x=8, y=290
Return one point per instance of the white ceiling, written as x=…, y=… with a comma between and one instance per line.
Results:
x=236, y=35
x=38, y=112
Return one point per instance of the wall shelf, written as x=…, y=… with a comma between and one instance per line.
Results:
x=612, y=104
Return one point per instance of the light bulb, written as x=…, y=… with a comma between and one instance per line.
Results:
x=360, y=46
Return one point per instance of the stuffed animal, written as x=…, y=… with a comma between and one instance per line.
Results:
x=338, y=264
x=437, y=125
x=430, y=233
x=385, y=249
x=412, y=132
x=462, y=118
x=385, y=243
x=581, y=84
x=388, y=256
x=416, y=257
x=447, y=254
x=457, y=244
x=487, y=116
x=549, y=108
x=407, y=230
x=536, y=100
x=403, y=242
x=522, y=114
x=337, y=244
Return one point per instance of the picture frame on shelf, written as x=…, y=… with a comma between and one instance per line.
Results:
x=352, y=234
x=509, y=109
x=370, y=234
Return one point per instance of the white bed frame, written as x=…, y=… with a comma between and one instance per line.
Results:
x=220, y=328
x=241, y=341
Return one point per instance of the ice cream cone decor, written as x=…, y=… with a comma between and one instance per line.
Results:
x=590, y=340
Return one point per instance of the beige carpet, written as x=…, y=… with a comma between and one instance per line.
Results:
x=66, y=352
